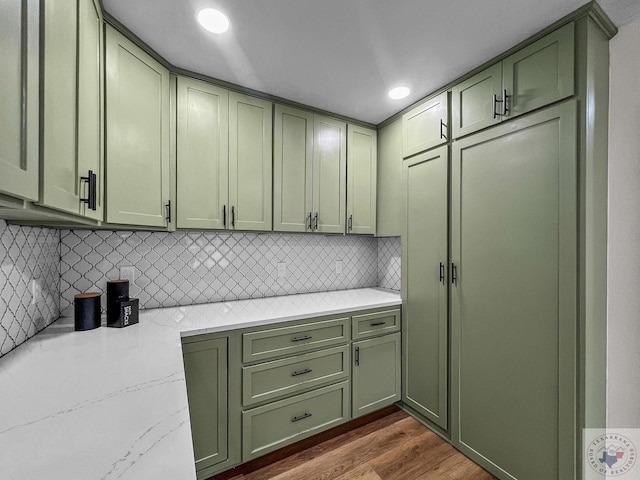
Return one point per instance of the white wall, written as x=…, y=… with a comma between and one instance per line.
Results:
x=623, y=370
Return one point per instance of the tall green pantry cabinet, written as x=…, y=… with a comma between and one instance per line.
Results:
x=504, y=251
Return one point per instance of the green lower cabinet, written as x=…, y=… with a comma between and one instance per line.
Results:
x=513, y=305
x=273, y=380
x=272, y=426
x=213, y=402
x=376, y=373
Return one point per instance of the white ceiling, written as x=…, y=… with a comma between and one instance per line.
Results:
x=344, y=55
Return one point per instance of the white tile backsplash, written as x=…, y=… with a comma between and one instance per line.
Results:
x=389, y=263
x=178, y=268
x=183, y=268
x=29, y=282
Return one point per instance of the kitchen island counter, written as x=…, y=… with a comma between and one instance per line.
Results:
x=111, y=403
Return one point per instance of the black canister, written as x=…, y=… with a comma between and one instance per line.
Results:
x=117, y=290
x=87, y=310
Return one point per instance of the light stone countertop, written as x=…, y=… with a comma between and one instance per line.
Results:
x=111, y=403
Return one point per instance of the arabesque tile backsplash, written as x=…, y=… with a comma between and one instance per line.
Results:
x=177, y=268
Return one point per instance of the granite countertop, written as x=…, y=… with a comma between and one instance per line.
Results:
x=111, y=403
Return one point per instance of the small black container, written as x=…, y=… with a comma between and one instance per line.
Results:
x=127, y=313
x=87, y=311
x=117, y=290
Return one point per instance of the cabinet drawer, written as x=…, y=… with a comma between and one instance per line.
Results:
x=277, y=424
x=277, y=342
x=372, y=324
x=278, y=378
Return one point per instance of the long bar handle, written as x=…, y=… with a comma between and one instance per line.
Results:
x=454, y=274
x=316, y=221
x=310, y=221
x=224, y=216
x=233, y=216
x=168, y=207
x=442, y=134
x=301, y=372
x=91, y=190
x=441, y=272
x=357, y=356
x=350, y=223
x=301, y=417
x=301, y=339
x=377, y=324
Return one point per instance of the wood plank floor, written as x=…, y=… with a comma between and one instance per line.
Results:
x=395, y=447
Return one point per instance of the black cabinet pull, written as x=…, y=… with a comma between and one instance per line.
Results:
x=301, y=417
x=316, y=217
x=301, y=339
x=310, y=223
x=168, y=207
x=301, y=372
x=442, y=134
x=350, y=222
x=224, y=216
x=377, y=324
x=442, y=272
x=91, y=199
x=233, y=216
x=454, y=274
x=357, y=356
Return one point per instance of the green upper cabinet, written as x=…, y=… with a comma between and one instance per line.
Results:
x=535, y=76
x=19, y=100
x=310, y=177
x=137, y=132
x=425, y=126
x=203, y=155
x=424, y=285
x=250, y=162
x=389, y=205
x=293, y=169
x=72, y=155
x=362, y=163
x=329, y=174
x=540, y=73
x=475, y=100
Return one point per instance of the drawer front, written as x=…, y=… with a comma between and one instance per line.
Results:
x=373, y=324
x=278, y=342
x=271, y=380
x=277, y=424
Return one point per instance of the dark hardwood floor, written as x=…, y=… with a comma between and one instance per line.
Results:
x=395, y=447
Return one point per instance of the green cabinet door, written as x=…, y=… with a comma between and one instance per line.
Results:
x=72, y=104
x=389, y=205
x=425, y=126
x=19, y=100
x=424, y=285
x=202, y=155
x=60, y=182
x=514, y=245
x=137, y=133
x=90, y=104
x=474, y=101
x=376, y=374
x=540, y=73
x=250, y=162
x=292, y=169
x=362, y=162
x=329, y=174
x=205, y=368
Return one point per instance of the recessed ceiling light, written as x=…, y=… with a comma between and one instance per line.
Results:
x=213, y=20
x=399, y=92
